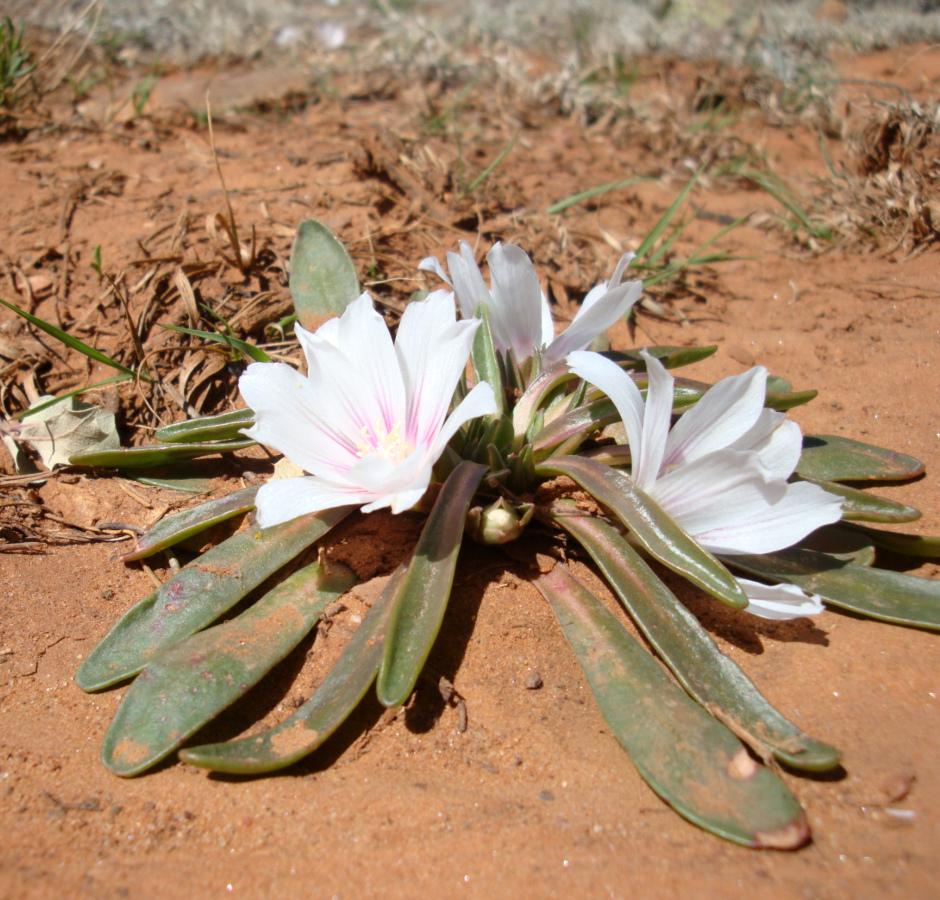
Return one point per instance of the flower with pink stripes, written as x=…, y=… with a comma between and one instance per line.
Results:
x=372, y=416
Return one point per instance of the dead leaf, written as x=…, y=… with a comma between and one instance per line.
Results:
x=69, y=427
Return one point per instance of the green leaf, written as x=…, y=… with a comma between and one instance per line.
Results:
x=153, y=455
x=578, y=422
x=677, y=637
x=305, y=730
x=184, y=524
x=323, y=278
x=524, y=411
x=420, y=604
x=589, y=194
x=190, y=683
x=187, y=484
x=198, y=594
x=69, y=341
x=876, y=593
x=224, y=427
x=861, y=506
x=670, y=357
x=843, y=542
x=788, y=400
x=921, y=546
x=485, y=359
x=663, y=223
x=689, y=758
x=244, y=347
x=828, y=457
x=650, y=526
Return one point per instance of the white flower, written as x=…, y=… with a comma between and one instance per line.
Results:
x=721, y=472
x=518, y=310
x=370, y=418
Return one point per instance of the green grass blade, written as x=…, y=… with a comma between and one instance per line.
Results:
x=223, y=427
x=860, y=506
x=198, y=594
x=190, y=683
x=650, y=526
x=73, y=342
x=186, y=523
x=828, y=457
x=589, y=194
x=875, y=593
x=148, y=457
x=331, y=704
x=422, y=600
x=492, y=167
x=688, y=757
x=246, y=348
x=39, y=407
x=664, y=220
x=687, y=649
x=323, y=279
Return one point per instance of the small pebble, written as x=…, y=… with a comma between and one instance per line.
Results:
x=533, y=681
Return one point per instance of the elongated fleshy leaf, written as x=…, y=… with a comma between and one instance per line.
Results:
x=422, y=600
x=149, y=457
x=198, y=594
x=323, y=278
x=844, y=542
x=184, y=524
x=224, y=427
x=831, y=458
x=860, y=506
x=688, y=757
x=921, y=546
x=485, y=359
x=186, y=484
x=700, y=667
x=670, y=357
x=876, y=593
x=190, y=683
x=579, y=422
x=650, y=526
x=332, y=702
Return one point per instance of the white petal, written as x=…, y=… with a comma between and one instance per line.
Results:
x=594, y=318
x=656, y=418
x=621, y=267
x=433, y=264
x=728, y=410
x=468, y=282
x=286, y=499
x=777, y=441
x=750, y=515
x=606, y=375
x=547, y=327
x=516, y=310
x=289, y=418
x=779, y=601
x=716, y=491
x=432, y=349
x=479, y=402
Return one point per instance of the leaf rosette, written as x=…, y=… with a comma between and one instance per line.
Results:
x=487, y=423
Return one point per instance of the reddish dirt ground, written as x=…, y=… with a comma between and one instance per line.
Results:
x=535, y=798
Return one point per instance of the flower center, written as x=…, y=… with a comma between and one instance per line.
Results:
x=388, y=444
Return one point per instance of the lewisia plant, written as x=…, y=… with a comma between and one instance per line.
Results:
x=490, y=426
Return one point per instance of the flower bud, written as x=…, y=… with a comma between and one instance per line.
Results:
x=498, y=523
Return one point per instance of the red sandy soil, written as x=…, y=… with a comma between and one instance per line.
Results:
x=534, y=798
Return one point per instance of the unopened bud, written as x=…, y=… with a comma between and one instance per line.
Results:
x=498, y=523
